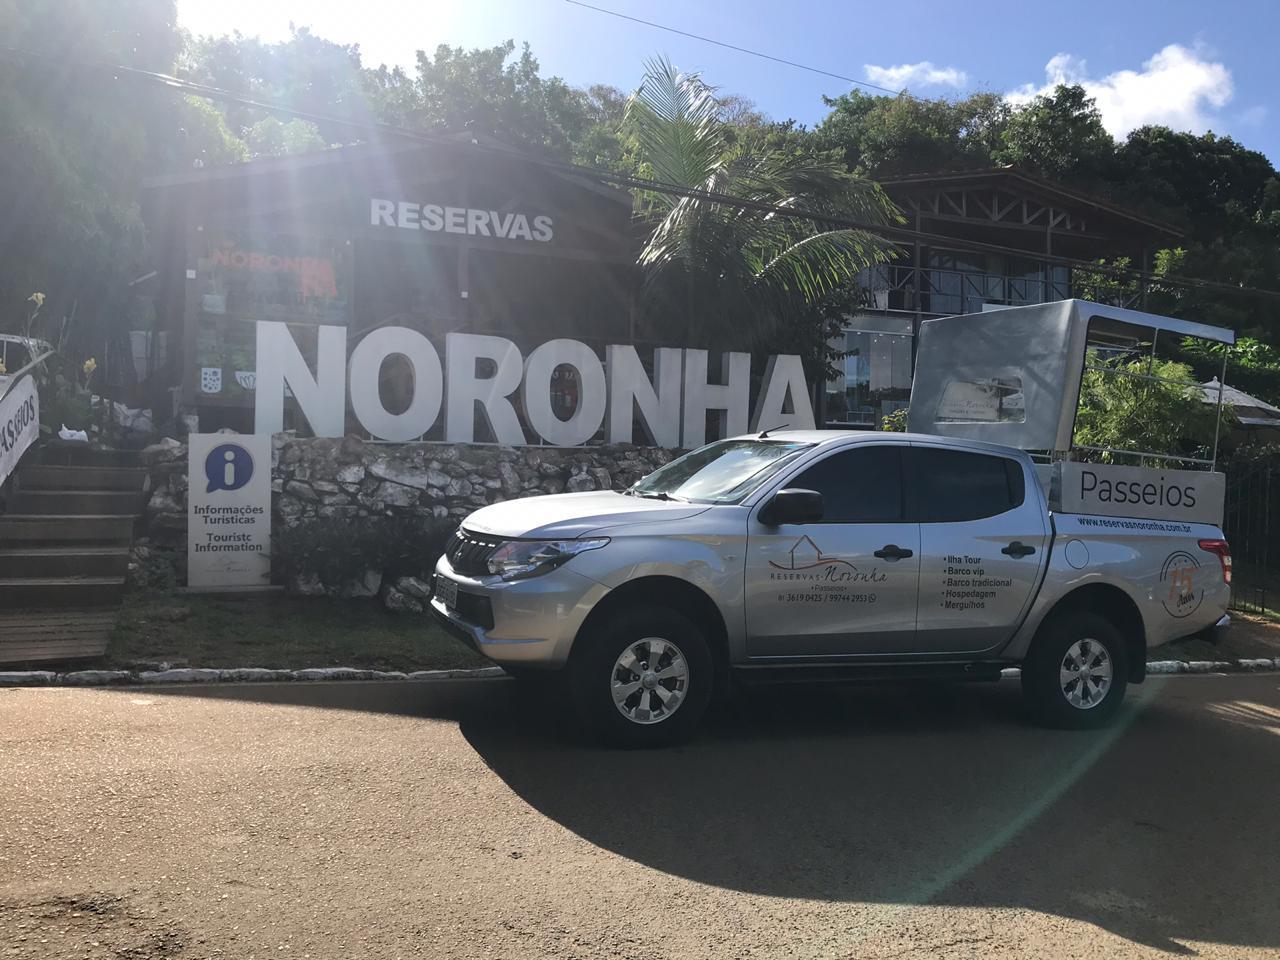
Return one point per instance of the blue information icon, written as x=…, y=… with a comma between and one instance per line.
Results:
x=229, y=466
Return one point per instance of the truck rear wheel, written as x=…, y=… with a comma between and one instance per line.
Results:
x=1075, y=674
x=643, y=678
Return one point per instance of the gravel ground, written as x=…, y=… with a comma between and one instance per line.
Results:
x=462, y=819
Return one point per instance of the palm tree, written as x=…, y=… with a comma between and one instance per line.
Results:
x=729, y=275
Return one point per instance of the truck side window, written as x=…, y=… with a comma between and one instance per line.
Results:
x=863, y=485
x=954, y=485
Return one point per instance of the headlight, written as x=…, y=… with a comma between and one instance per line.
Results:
x=517, y=559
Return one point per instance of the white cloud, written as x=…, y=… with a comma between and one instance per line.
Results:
x=922, y=74
x=1177, y=88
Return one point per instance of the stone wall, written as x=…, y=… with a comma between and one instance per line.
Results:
x=350, y=479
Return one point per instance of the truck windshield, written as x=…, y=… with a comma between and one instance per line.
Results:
x=721, y=472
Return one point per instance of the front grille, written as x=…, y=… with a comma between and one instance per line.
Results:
x=469, y=553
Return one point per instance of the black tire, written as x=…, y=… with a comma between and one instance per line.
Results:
x=592, y=676
x=1049, y=698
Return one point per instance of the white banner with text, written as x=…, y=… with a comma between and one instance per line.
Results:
x=19, y=423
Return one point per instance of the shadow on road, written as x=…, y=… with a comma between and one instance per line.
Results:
x=1159, y=829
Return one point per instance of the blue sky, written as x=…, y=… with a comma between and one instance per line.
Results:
x=1191, y=65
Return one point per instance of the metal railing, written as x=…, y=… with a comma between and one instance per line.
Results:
x=12, y=378
x=1252, y=500
x=909, y=288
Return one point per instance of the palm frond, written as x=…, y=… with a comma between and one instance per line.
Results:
x=675, y=119
x=744, y=273
x=815, y=265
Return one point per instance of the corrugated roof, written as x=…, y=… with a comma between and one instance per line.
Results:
x=1237, y=398
x=1011, y=172
x=347, y=153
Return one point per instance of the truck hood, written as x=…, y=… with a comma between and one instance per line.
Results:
x=565, y=516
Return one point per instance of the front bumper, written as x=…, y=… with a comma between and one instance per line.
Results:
x=529, y=622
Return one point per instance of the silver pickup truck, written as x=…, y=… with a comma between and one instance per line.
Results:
x=809, y=555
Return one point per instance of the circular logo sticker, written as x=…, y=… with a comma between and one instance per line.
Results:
x=1181, y=583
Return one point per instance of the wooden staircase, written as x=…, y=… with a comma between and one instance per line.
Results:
x=64, y=550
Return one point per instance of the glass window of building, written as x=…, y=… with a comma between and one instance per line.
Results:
x=875, y=373
x=958, y=282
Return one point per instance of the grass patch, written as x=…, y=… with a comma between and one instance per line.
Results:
x=280, y=632
x=1247, y=637
x=283, y=632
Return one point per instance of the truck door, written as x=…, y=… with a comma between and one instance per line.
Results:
x=845, y=585
x=983, y=538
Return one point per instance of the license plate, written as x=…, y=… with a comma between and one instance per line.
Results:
x=447, y=591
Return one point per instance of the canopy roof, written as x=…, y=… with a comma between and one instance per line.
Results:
x=1013, y=375
x=1249, y=410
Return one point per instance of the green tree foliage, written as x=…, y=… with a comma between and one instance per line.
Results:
x=269, y=137
x=1059, y=135
x=486, y=91
x=205, y=139
x=1227, y=199
x=74, y=151
x=1252, y=365
x=1211, y=184
x=893, y=136
x=305, y=73
x=895, y=422
x=1106, y=284
x=727, y=275
x=1122, y=408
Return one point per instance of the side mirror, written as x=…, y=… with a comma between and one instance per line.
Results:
x=792, y=506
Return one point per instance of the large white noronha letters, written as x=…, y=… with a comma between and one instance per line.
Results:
x=485, y=376
x=536, y=392
x=467, y=389
x=657, y=399
x=321, y=396
x=366, y=369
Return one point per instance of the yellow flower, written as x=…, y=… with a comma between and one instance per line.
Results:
x=37, y=299
x=90, y=365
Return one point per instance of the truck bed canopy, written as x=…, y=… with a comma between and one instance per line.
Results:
x=1013, y=375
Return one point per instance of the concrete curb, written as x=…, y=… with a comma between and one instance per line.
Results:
x=121, y=678
x=1166, y=667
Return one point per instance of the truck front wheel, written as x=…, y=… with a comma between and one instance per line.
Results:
x=1075, y=674
x=643, y=678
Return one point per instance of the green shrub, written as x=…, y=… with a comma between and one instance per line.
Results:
x=895, y=422
x=156, y=570
x=338, y=551
x=1122, y=408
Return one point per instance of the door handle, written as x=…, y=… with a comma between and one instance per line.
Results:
x=891, y=551
x=1018, y=550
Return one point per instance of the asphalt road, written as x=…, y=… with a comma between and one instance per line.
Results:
x=463, y=819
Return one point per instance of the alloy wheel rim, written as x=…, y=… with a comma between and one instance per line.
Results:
x=650, y=680
x=1085, y=674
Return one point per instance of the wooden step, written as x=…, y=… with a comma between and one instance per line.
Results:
x=60, y=591
x=41, y=476
x=32, y=635
x=18, y=528
x=55, y=453
x=63, y=561
x=79, y=502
